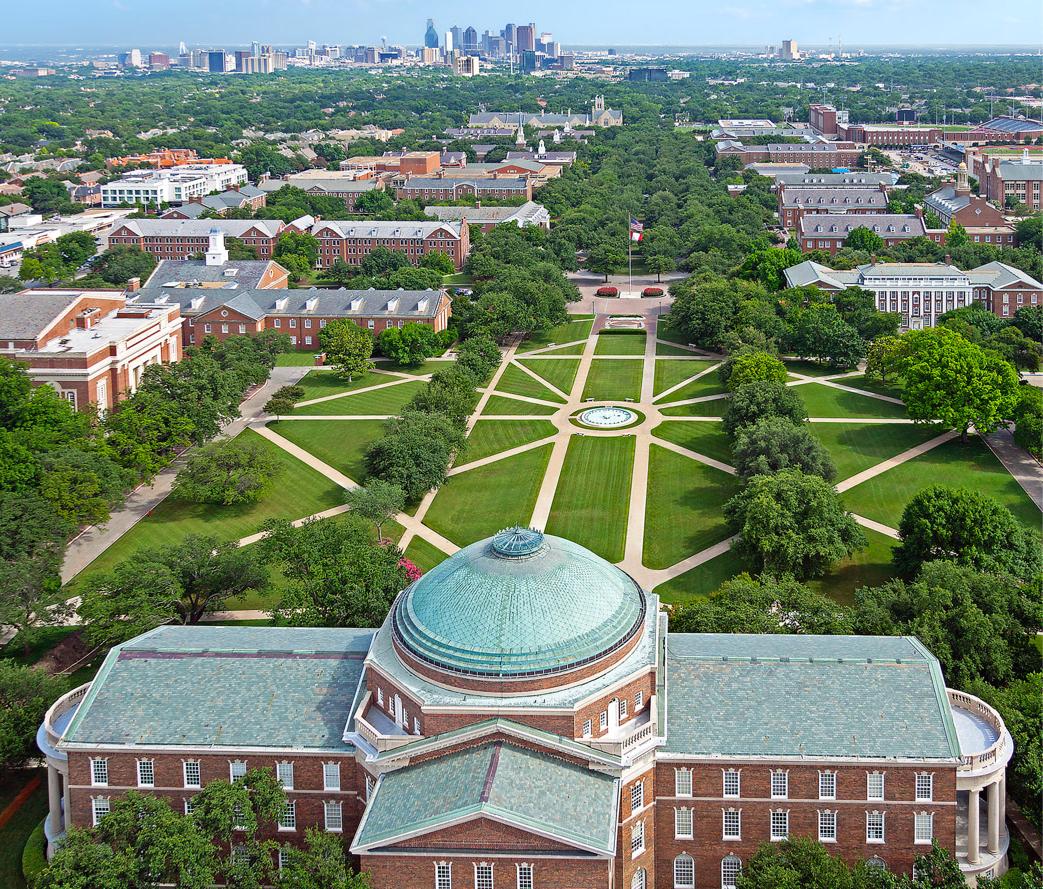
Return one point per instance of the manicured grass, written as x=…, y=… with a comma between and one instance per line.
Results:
x=700, y=581
x=630, y=343
x=576, y=329
x=707, y=438
x=683, y=514
x=593, y=495
x=299, y=491
x=341, y=444
x=16, y=832
x=714, y=408
x=458, y=279
x=665, y=331
x=498, y=406
x=825, y=401
x=320, y=383
x=493, y=436
x=518, y=382
x=478, y=503
x=387, y=401
x=423, y=554
x=890, y=388
x=667, y=349
x=428, y=367
x=670, y=373
x=955, y=464
x=614, y=380
x=858, y=446
x=573, y=349
x=558, y=372
x=868, y=567
x=296, y=359
x=707, y=385
x=811, y=368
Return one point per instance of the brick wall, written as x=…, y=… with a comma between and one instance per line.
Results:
x=401, y=871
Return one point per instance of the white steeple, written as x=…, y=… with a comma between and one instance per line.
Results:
x=542, y=149
x=217, y=253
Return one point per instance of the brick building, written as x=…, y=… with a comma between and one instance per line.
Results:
x=486, y=218
x=91, y=346
x=875, y=135
x=828, y=231
x=984, y=223
x=1002, y=181
x=523, y=719
x=816, y=155
x=181, y=238
x=433, y=188
x=353, y=241
x=347, y=189
x=921, y=291
x=798, y=201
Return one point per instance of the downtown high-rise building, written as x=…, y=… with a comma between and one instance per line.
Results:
x=431, y=35
x=526, y=38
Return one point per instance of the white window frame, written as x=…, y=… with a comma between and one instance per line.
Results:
x=688, y=863
x=779, y=784
x=726, y=775
x=827, y=826
x=736, y=816
x=924, y=787
x=827, y=785
x=233, y=768
x=637, y=796
x=483, y=875
x=525, y=875
x=637, y=839
x=640, y=879
x=682, y=782
x=198, y=768
x=872, y=829
x=623, y=713
x=639, y=700
x=287, y=819
x=921, y=819
x=779, y=825
x=603, y=720
x=190, y=804
x=334, y=824
x=99, y=772
x=283, y=857
x=735, y=864
x=684, y=823
x=100, y=807
x=331, y=776
x=146, y=773
x=284, y=774
x=588, y=728
x=872, y=779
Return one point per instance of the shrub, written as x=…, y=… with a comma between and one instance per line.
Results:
x=607, y=291
x=652, y=291
x=279, y=406
x=291, y=393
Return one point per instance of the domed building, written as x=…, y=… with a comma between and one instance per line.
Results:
x=523, y=719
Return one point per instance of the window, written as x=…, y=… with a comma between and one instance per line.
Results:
x=224, y=328
x=284, y=858
x=637, y=838
x=637, y=796
x=732, y=824
x=238, y=821
x=731, y=783
x=639, y=700
x=443, y=875
x=242, y=328
x=779, y=784
x=193, y=777
x=603, y=720
x=524, y=876
x=240, y=854
x=684, y=872
x=380, y=697
x=146, y=773
x=827, y=785
x=307, y=341
x=206, y=328
x=875, y=786
x=637, y=881
x=288, y=815
x=683, y=824
x=334, y=816
x=923, y=827
x=874, y=827
x=99, y=772
x=277, y=322
x=827, y=827
x=876, y=863
x=924, y=787
x=284, y=774
x=779, y=824
x=307, y=324
x=237, y=769
x=683, y=782
x=731, y=867
x=293, y=322
x=99, y=808
x=483, y=876
x=331, y=776
x=622, y=708
x=587, y=728
x=190, y=806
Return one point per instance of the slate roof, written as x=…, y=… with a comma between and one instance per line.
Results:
x=209, y=686
x=828, y=196
x=999, y=274
x=192, y=211
x=25, y=315
x=529, y=790
x=384, y=229
x=507, y=183
x=878, y=697
x=836, y=180
x=946, y=200
x=195, y=272
x=333, y=184
x=887, y=225
x=528, y=213
x=199, y=228
x=1019, y=171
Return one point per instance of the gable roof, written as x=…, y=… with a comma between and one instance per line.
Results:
x=26, y=315
x=382, y=229
x=999, y=274
x=200, y=228
x=236, y=274
x=840, y=198
x=887, y=225
x=525, y=789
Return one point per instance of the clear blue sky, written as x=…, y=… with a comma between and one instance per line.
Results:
x=148, y=23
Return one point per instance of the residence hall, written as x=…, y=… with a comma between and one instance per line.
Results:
x=798, y=201
x=523, y=719
x=922, y=291
x=816, y=155
x=829, y=231
x=91, y=346
x=983, y=222
x=352, y=241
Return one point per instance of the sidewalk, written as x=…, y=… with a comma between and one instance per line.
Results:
x=1019, y=463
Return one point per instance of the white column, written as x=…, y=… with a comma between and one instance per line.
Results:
x=994, y=817
x=54, y=800
x=972, y=826
x=68, y=802
x=1003, y=802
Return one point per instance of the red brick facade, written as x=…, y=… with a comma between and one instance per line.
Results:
x=183, y=246
x=352, y=250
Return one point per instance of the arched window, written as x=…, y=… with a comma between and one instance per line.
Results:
x=638, y=881
x=876, y=862
x=731, y=867
x=684, y=871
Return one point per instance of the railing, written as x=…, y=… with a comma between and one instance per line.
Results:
x=373, y=736
x=987, y=758
x=63, y=705
x=638, y=737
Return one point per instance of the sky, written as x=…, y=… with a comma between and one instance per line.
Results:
x=162, y=23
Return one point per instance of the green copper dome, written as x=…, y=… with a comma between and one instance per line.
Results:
x=521, y=603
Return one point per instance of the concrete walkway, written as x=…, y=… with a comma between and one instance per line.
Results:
x=1019, y=463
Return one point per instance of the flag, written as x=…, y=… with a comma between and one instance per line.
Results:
x=636, y=230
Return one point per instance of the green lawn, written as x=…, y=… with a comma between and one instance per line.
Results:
x=558, y=372
x=670, y=373
x=683, y=514
x=388, y=401
x=423, y=554
x=825, y=401
x=869, y=567
x=458, y=279
x=714, y=408
x=296, y=359
x=666, y=331
x=700, y=581
x=667, y=349
x=703, y=438
x=811, y=368
x=858, y=446
x=593, y=495
x=340, y=443
x=493, y=436
x=428, y=367
x=573, y=349
x=577, y=329
x=320, y=383
x=517, y=382
x=611, y=380
x=863, y=382
x=630, y=343
x=299, y=491
x=15, y=833
x=498, y=406
x=956, y=464
x=708, y=385
x=482, y=501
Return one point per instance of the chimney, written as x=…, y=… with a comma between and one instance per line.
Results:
x=133, y=285
x=85, y=320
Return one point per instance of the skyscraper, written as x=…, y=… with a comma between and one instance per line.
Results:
x=526, y=38
x=470, y=38
x=458, y=38
x=449, y=41
x=431, y=36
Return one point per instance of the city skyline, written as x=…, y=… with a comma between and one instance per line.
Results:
x=741, y=23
